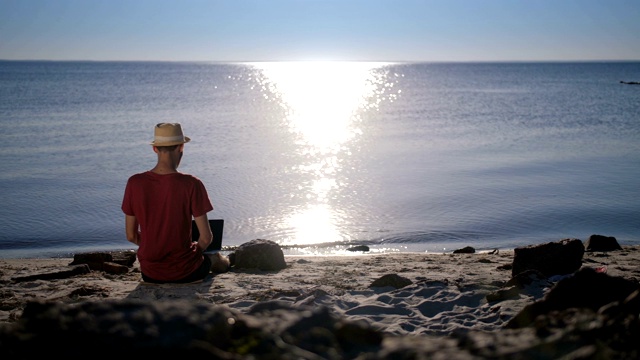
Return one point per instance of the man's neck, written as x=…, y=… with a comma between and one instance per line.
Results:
x=168, y=161
x=165, y=166
x=163, y=170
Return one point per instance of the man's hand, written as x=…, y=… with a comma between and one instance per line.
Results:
x=132, y=229
x=205, y=232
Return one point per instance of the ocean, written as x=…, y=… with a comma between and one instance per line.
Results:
x=322, y=156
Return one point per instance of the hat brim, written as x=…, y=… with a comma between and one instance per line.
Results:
x=171, y=143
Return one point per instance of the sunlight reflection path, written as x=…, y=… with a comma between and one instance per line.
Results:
x=323, y=101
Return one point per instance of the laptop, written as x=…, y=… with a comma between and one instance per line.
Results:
x=216, y=225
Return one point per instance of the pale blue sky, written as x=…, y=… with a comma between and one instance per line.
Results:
x=376, y=30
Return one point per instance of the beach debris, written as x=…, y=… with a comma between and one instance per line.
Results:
x=465, y=250
x=393, y=280
x=259, y=254
x=602, y=243
x=97, y=260
x=601, y=269
x=359, y=248
x=553, y=258
x=55, y=274
x=114, y=268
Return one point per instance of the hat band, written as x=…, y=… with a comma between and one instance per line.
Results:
x=163, y=139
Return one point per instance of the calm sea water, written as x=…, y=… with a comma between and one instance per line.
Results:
x=400, y=157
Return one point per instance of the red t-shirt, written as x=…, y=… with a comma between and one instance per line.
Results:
x=164, y=206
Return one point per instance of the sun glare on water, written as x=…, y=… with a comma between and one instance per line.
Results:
x=321, y=98
x=322, y=102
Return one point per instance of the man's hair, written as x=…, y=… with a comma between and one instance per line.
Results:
x=167, y=148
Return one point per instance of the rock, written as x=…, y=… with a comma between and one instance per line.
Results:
x=465, y=250
x=602, y=243
x=554, y=258
x=575, y=333
x=584, y=289
x=259, y=254
x=95, y=260
x=359, y=248
x=392, y=280
x=126, y=258
x=114, y=268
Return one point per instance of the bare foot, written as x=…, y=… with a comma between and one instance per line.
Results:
x=219, y=263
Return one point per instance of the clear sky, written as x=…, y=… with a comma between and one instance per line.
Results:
x=375, y=30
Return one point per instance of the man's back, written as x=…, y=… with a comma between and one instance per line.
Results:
x=163, y=205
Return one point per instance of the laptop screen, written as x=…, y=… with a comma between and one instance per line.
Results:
x=217, y=227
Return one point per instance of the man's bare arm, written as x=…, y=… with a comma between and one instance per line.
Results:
x=202, y=222
x=131, y=227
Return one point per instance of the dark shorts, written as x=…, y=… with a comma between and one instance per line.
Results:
x=199, y=274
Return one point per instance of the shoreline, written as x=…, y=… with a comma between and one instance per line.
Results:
x=288, y=251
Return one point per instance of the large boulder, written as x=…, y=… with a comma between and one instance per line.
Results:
x=465, y=250
x=259, y=254
x=602, y=243
x=554, y=258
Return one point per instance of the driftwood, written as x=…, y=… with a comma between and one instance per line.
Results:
x=115, y=262
x=73, y=270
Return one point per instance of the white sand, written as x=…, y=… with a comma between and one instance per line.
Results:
x=448, y=291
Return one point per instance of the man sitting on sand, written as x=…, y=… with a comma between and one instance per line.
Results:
x=159, y=205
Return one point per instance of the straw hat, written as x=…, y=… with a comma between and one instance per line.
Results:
x=167, y=134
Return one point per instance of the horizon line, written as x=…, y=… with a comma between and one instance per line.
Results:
x=320, y=61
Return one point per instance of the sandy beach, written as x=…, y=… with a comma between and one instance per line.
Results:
x=438, y=295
